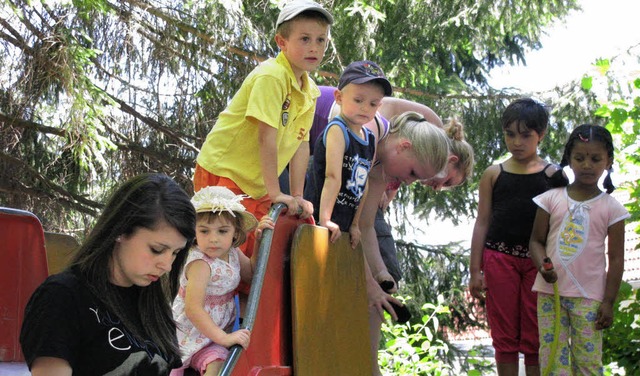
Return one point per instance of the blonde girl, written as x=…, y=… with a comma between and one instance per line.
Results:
x=414, y=149
x=459, y=169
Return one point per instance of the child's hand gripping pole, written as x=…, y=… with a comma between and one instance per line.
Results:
x=547, y=265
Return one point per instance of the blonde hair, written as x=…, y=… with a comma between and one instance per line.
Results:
x=460, y=148
x=429, y=142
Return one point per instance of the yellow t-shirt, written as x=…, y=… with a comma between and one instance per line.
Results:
x=270, y=94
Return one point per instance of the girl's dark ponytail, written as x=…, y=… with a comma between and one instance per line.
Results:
x=608, y=183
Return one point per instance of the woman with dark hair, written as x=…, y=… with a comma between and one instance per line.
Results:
x=109, y=312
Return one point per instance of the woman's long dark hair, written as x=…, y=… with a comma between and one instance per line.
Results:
x=141, y=202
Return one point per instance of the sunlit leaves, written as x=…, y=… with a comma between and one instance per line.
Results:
x=416, y=349
x=620, y=108
x=586, y=83
x=603, y=65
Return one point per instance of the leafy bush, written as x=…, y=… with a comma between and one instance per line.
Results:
x=415, y=349
x=621, y=342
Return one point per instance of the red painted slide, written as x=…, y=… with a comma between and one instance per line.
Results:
x=23, y=267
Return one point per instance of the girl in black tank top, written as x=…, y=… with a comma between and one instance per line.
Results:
x=501, y=272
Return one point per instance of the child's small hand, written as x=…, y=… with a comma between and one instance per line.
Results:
x=334, y=230
x=549, y=275
x=290, y=201
x=239, y=337
x=307, y=207
x=476, y=286
x=381, y=301
x=296, y=205
x=604, y=318
x=265, y=223
x=355, y=235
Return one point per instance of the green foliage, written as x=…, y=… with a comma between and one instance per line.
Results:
x=620, y=108
x=415, y=349
x=438, y=272
x=419, y=347
x=477, y=362
x=621, y=342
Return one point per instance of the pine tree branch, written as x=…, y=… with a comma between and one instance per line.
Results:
x=75, y=201
x=153, y=124
x=9, y=121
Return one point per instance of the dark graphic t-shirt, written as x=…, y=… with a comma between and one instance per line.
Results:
x=356, y=164
x=63, y=319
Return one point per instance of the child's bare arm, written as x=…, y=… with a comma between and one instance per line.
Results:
x=480, y=228
x=354, y=230
x=297, y=175
x=198, y=275
x=387, y=197
x=615, y=249
x=366, y=222
x=538, y=245
x=392, y=106
x=378, y=299
x=269, y=163
x=269, y=159
x=332, y=180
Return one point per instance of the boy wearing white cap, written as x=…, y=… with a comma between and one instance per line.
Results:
x=266, y=124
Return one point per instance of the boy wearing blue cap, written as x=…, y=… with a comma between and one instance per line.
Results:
x=345, y=152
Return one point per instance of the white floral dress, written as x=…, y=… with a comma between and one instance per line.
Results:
x=219, y=302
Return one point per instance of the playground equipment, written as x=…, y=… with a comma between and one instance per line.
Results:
x=307, y=309
x=23, y=267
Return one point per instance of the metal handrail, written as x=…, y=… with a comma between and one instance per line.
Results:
x=264, y=248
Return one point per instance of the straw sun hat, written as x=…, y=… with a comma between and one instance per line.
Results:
x=220, y=199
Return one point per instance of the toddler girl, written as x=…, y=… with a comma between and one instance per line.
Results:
x=205, y=309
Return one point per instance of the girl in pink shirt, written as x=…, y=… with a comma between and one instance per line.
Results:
x=570, y=229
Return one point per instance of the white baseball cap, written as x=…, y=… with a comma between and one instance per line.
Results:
x=295, y=7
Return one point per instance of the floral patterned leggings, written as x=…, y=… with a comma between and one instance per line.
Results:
x=579, y=348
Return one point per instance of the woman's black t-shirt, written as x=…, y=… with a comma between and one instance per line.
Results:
x=63, y=319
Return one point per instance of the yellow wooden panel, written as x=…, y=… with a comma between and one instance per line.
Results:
x=329, y=306
x=60, y=248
